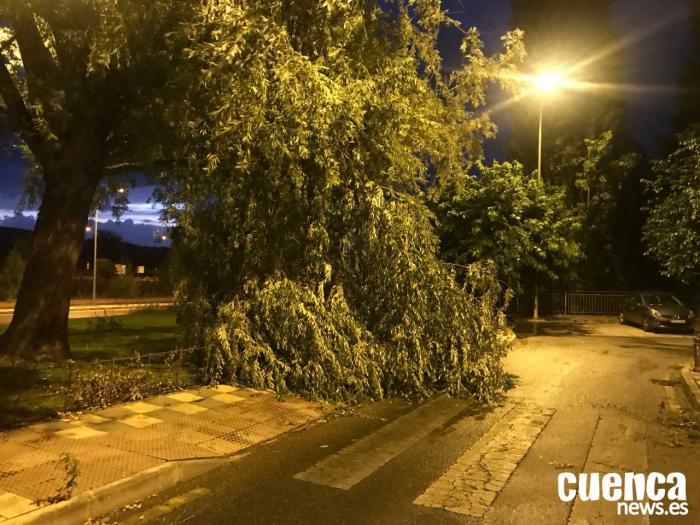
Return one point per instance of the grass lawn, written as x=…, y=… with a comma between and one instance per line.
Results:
x=31, y=393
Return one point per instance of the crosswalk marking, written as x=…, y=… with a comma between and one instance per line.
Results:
x=619, y=445
x=473, y=482
x=357, y=461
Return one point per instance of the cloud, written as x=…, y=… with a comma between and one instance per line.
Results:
x=129, y=230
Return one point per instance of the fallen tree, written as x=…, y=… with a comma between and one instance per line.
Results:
x=308, y=256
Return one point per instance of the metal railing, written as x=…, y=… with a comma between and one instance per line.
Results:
x=588, y=303
x=43, y=389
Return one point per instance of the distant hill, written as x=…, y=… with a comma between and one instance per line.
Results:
x=109, y=246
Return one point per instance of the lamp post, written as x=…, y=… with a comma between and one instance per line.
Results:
x=545, y=84
x=94, y=258
x=94, y=250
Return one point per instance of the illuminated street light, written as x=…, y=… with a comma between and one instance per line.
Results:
x=548, y=82
x=545, y=83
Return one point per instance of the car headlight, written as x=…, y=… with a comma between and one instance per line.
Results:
x=656, y=313
x=691, y=315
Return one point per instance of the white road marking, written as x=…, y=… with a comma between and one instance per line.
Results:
x=473, y=482
x=357, y=461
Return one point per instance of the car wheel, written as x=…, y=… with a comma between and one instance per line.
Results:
x=645, y=325
x=622, y=318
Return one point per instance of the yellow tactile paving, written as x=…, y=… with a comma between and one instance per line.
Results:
x=187, y=408
x=80, y=432
x=227, y=398
x=140, y=407
x=12, y=505
x=140, y=421
x=185, y=397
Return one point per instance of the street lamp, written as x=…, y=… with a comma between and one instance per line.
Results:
x=94, y=250
x=545, y=83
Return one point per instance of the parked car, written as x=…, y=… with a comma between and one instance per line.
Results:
x=656, y=311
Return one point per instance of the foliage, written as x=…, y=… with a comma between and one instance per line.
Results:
x=123, y=286
x=70, y=481
x=86, y=85
x=104, y=383
x=672, y=229
x=11, y=274
x=309, y=259
x=510, y=218
x=591, y=173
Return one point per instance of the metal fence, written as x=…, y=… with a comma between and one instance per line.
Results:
x=589, y=303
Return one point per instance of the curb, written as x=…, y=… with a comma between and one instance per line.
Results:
x=115, y=495
x=690, y=387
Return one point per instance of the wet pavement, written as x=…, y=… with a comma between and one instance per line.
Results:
x=591, y=397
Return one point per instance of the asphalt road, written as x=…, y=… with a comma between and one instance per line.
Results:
x=591, y=397
x=85, y=308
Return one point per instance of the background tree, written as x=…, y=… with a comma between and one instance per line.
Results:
x=579, y=37
x=512, y=219
x=311, y=261
x=672, y=230
x=689, y=110
x=81, y=83
x=591, y=178
x=11, y=274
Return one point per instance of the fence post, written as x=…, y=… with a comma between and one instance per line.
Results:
x=68, y=386
x=566, y=300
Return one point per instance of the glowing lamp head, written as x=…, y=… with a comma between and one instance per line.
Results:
x=548, y=82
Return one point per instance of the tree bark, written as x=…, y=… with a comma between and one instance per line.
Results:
x=40, y=322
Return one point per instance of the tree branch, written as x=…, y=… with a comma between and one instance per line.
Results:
x=43, y=77
x=19, y=116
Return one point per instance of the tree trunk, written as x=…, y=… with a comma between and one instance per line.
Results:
x=40, y=322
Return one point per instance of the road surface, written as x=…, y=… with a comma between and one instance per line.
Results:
x=86, y=308
x=591, y=397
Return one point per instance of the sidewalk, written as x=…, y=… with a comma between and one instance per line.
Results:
x=690, y=380
x=123, y=440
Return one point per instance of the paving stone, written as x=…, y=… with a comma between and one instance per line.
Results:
x=140, y=421
x=119, y=441
x=12, y=505
x=80, y=432
x=187, y=408
x=222, y=446
x=94, y=419
x=227, y=398
x=115, y=412
x=140, y=407
x=185, y=397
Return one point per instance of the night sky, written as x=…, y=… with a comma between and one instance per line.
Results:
x=656, y=60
